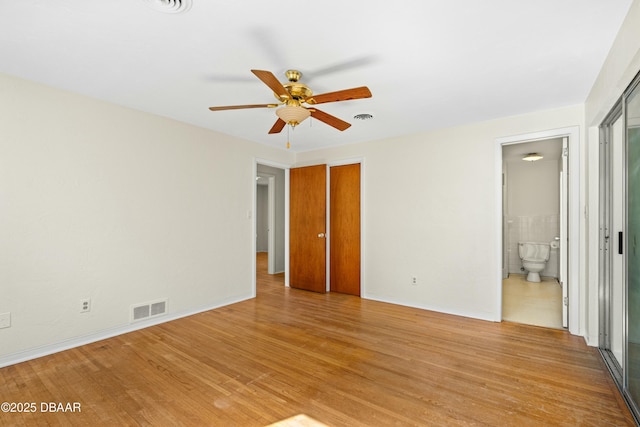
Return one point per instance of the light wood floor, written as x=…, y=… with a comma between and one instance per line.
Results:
x=532, y=303
x=337, y=359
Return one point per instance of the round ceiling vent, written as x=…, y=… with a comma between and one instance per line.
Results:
x=363, y=116
x=169, y=6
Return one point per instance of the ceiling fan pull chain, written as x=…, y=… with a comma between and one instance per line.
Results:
x=288, y=144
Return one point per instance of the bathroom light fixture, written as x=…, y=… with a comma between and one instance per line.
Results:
x=532, y=157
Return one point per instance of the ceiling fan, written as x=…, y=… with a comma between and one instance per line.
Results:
x=293, y=94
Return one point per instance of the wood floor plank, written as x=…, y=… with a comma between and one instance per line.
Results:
x=338, y=359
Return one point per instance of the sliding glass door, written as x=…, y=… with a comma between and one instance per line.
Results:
x=612, y=269
x=620, y=244
x=632, y=114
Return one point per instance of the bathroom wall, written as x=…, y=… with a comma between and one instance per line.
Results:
x=532, y=209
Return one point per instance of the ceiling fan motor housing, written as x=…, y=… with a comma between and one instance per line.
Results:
x=297, y=91
x=293, y=75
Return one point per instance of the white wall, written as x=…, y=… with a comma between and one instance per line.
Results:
x=621, y=65
x=119, y=206
x=534, y=187
x=430, y=211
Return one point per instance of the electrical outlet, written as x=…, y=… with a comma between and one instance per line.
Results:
x=85, y=305
x=5, y=320
x=414, y=280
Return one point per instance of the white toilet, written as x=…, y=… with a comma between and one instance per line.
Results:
x=534, y=258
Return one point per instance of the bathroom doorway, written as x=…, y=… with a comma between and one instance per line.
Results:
x=534, y=214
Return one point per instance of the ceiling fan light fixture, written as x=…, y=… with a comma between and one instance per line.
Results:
x=293, y=114
x=532, y=157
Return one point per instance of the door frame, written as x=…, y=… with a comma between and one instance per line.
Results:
x=607, y=241
x=251, y=215
x=563, y=268
x=287, y=167
x=573, y=267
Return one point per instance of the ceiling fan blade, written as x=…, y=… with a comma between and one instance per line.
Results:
x=278, y=126
x=240, y=107
x=329, y=119
x=270, y=80
x=341, y=95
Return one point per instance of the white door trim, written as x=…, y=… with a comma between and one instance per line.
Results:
x=564, y=253
x=573, y=133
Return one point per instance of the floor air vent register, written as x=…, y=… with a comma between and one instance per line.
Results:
x=148, y=310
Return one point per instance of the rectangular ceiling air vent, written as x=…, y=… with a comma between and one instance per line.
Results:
x=148, y=310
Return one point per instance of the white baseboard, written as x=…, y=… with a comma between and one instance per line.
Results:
x=34, y=353
x=475, y=315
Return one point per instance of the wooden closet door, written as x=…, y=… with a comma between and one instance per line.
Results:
x=307, y=228
x=345, y=229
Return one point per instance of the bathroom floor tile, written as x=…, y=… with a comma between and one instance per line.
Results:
x=532, y=303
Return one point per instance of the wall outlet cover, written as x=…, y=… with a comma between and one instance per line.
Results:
x=5, y=320
x=85, y=305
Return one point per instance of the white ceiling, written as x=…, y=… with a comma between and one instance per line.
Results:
x=429, y=63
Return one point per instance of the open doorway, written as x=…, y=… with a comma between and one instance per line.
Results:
x=534, y=232
x=571, y=194
x=270, y=223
